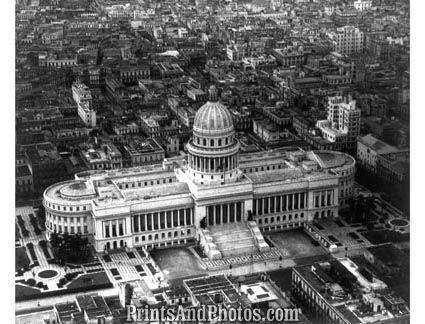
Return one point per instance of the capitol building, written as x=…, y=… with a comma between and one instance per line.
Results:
x=217, y=196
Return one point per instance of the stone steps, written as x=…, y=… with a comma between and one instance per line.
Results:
x=233, y=239
x=234, y=235
x=240, y=250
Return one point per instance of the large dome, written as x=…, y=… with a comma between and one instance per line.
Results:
x=213, y=117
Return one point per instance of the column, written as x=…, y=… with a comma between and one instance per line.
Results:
x=178, y=217
x=287, y=201
x=293, y=201
x=213, y=209
x=191, y=217
x=270, y=204
x=139, y=221
x=184, y=217
x=228, y=212
x=152, y=222
x=221, y=214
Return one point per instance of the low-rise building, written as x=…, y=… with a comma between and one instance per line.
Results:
x=383, y=159
x=131, y=128
x=268, y=131
x=101, y=155
x=341, y=292
x=46, y=165
x=141, y=151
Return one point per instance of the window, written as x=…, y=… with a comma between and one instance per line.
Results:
x=85, y=229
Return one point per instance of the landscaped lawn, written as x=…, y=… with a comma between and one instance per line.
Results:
x=282, y=278
x=22, y=260
x=93, y=279
x=25, y=291
x=384, y=236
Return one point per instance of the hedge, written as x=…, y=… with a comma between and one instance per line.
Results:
x=62, y=292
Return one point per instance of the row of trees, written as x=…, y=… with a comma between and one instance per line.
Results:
x=361, y=209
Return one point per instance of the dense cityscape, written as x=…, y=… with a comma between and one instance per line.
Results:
x=250, y=154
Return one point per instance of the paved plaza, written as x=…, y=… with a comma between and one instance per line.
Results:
x=178, y=263
x=295, y=243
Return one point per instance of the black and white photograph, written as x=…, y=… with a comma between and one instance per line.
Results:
x=211, y=161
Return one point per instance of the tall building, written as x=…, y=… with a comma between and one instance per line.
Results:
x=347, y=40
x=212, y=195
x=362, y=5
x=82, y=96
x=342, y=124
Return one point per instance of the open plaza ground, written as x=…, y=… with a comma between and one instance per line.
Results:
x=295, y=243
x=177, y=263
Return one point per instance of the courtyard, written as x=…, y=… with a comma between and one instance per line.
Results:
x=295, y=243
x=177, y=263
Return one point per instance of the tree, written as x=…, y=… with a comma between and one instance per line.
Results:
x=54, y=239
x=203, y=223
x=70, y=248
x=249, y=216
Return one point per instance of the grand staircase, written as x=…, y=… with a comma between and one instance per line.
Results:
x=233, y=239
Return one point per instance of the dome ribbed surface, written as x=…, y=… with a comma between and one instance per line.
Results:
x=212, y=117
